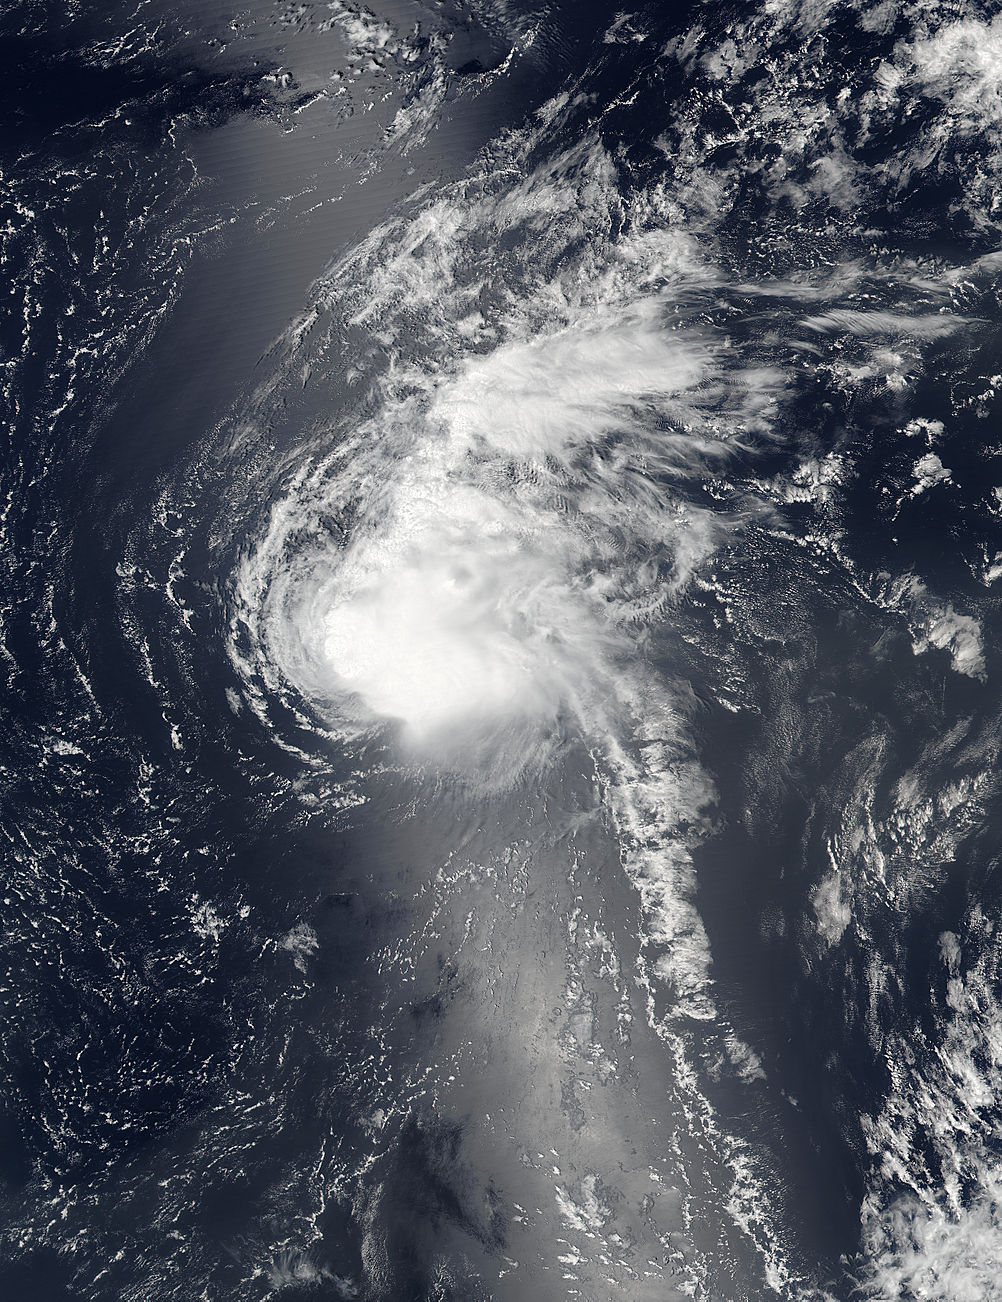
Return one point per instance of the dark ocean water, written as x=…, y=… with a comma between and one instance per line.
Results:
x=499, y=761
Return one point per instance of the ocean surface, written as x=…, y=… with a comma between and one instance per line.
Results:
x=502, y=518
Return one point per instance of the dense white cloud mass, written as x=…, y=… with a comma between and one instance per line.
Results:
x=475, y=594
x=513, y=528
